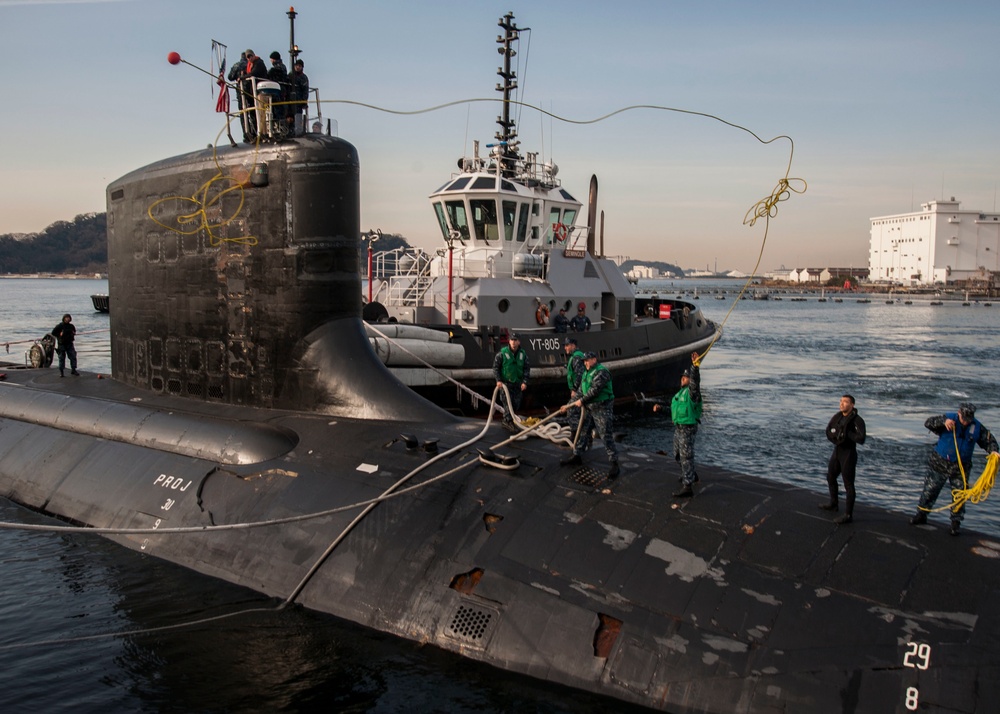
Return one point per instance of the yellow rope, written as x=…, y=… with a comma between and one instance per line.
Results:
x=979, y=491
x=766, y=208
x=207, y=197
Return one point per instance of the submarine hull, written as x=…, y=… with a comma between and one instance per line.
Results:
x=741, y=601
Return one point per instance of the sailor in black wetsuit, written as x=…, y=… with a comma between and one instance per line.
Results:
x=65, y=333
x=846, y=430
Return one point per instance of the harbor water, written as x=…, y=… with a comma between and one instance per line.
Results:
x=84, y=623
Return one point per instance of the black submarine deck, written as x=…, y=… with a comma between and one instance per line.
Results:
x=745, y=598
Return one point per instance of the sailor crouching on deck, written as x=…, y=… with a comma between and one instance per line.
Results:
x=510, y=367
x=685, y=412
x=944, y=464
x=597, y=398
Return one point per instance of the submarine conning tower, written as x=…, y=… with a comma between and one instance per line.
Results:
x=234, y=274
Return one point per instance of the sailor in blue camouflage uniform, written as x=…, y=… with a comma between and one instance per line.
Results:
x=685, y=412
x=597, y=398
x=235, y=74
x=959, y=428
x=511, y=368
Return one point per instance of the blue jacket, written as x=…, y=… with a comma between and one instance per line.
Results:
x=966, y=436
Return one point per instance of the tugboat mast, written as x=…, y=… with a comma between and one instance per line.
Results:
x=507, y=136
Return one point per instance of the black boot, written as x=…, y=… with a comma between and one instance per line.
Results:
x=573, y=460
x=831, y=506
x=918, y=519
x=685, y=492
x=844, y=519
x=955, y=527
x=613, y=471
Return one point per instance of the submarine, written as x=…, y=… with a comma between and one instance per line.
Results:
x=249, y=433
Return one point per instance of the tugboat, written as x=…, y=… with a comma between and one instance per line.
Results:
x=514, y=258
x=248, y=432
x=101, y=302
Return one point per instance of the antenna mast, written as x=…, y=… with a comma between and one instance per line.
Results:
x=508, y=131
x=293, y=49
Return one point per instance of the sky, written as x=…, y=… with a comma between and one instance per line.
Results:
x=889, y=105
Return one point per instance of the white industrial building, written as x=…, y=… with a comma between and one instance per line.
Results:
x=938, y=244
x=643, y=272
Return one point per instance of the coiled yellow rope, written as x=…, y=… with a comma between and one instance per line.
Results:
x=979, y=491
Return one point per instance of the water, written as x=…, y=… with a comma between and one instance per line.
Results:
x=775, y=379
x=770, y=386
x=30, y=307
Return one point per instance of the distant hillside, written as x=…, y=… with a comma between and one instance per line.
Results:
x=77, y=246
x=81, y=246
x=659, y=264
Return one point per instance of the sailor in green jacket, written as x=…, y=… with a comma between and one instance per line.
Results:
x=597, y=398
x=510, y=367
x=575, y=370
x=685, y=411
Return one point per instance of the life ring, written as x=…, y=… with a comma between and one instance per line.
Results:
x=542, y=315
x=559, y=231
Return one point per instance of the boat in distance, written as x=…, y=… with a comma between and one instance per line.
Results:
x=514, y=257
x=250, y=433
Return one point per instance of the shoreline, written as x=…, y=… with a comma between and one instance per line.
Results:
x=53, y=276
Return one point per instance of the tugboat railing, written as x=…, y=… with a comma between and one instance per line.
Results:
x=404, y=276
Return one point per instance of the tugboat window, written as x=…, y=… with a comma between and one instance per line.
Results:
x=484, y=182
x=459, y=184
x=503, y=305
x=569, y=216
x=484, y=218
x=553, y=219
x=439, y=210
x=458, y=218
x=509, y=213
x=522, y=223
